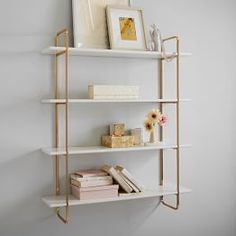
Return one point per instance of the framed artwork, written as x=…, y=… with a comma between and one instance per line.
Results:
x=89, y=22
x=126, y=28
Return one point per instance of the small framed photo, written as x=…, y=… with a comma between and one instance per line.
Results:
x=126, y=28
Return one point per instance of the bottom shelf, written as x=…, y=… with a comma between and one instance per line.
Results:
x=168, y=189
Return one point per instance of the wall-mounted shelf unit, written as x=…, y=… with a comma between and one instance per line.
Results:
x=64, y=200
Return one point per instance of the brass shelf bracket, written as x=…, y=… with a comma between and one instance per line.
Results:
x=177, y=58
x=62, y=35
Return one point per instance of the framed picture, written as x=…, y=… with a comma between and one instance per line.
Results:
x=126, y=28
x=89, y=22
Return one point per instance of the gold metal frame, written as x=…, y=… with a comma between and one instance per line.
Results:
x=176, y=206
x=64, y=36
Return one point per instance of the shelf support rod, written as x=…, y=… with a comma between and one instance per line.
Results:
x=65, y=36
x=176, y=206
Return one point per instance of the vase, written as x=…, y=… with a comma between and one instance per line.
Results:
x=153, y=141
x=152, y=138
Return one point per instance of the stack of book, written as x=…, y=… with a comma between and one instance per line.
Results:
x=124, y=178
x=113, y=92
x=93, y=184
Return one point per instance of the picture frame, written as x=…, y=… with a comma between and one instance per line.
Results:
x=126, y=28
x=89, y=22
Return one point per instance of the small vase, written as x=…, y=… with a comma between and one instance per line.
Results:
x=152, y=138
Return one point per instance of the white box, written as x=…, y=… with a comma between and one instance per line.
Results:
x=138, y=135
x=113, y=92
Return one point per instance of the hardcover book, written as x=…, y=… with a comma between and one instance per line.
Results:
x=90, y=173
x=111, y=171
x=129, y=176
x=89, y=178
x=95, y=192
x=92, y=183
x=128, y=182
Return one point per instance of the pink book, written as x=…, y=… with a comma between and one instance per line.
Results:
x=95, y=192
x=90, y=173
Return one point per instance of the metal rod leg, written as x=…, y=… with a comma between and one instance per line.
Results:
x=65, y=35
x=176, y=206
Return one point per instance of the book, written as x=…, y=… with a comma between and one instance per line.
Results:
x=92, y=183
x=112, y=172
x=129, y=176
x=136, y=190
x=109, y=191
x=90, y=173
x=89, y=178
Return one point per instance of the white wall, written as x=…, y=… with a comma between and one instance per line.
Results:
x=207, y=29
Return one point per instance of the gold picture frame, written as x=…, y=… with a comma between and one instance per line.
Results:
x=126, y=28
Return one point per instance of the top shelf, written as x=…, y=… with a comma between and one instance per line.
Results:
x=90, y=52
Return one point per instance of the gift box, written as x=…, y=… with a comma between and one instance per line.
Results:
x=118, y=142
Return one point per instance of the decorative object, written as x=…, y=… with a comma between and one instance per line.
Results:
x=157, y=43
x=138, y=135
x=89, y=22
x=117, y=129
x=118, y=142
x=153, y=119
x=126, y=28
x=156, y=39
x=116, y=92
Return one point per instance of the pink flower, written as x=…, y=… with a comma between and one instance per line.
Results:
x=163, y=120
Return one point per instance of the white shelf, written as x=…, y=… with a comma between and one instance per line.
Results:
x=59, y=201
x=62, y=101
x=86, y=52
x=101, y=149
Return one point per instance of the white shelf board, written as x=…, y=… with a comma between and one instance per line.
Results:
x=90, y=52
x=62, y=101
x=101, y=149
x=59, y=201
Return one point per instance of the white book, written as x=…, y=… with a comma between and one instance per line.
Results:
x=111, y=171
x=136, y=190
x=127, y=174
x=93, y=183
x=112, y=90
x=89, y=178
